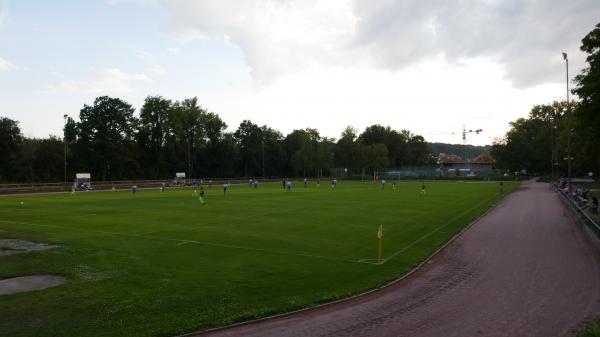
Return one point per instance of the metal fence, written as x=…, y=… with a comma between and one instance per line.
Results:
x=580, y=211
x=26, y=188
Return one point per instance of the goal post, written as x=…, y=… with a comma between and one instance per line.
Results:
x=82, y=182
x=179, y=179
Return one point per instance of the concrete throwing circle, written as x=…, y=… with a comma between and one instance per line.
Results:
x=29, y=283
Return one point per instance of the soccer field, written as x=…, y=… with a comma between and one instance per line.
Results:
x=161, y=263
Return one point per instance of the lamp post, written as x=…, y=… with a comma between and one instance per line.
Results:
x=65, y=143
x=568, y=121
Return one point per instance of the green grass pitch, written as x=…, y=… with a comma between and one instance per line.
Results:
x=160, y=263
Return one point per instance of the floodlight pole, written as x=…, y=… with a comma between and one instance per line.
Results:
x=263, y=157
x=568, y=121
x=65, y=143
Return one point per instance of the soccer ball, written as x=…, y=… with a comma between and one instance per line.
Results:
x=22, y=203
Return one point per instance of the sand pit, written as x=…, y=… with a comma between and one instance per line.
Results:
x=28, y=283
x=14, y=246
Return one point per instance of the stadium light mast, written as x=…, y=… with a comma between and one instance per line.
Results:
x=568, y=121
x=65, y=116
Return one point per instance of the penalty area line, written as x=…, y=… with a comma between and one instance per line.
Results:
x=182, y=242
x=403, y=249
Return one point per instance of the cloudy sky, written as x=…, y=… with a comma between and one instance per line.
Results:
x=427, y=66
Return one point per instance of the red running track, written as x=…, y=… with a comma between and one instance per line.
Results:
x=525, y=269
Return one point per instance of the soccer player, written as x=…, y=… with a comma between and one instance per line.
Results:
x=210, y=183
x=501, y=187
x=255, y=183
x=383, y=184
x=334, y=183
x=133, y=189
x=162, y=187
x=393, y=186
x=201, y=196
x=423, y=191
x=225, y=186
x=289, y=185
x=305, y=182
x=318, y=182
x=283, y=184
x=250, y=182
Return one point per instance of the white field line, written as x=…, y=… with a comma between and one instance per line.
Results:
x=180, y=241
x=205, y=243
x=403, y=249
x=211, y=224
x=308, y=309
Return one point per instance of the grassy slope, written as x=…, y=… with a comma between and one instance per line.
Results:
x=591, y=329
x=255, y=252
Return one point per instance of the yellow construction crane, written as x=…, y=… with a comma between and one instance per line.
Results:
x=465, y=131
x=464, y=139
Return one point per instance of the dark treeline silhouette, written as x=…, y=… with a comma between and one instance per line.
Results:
x=467, y=151
x=112, y=142
x=539, y=142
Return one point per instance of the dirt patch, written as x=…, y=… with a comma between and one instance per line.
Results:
x=29, y=283
x=14, y=246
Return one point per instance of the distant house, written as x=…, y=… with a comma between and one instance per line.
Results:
x=482, y=164
x=453, y=165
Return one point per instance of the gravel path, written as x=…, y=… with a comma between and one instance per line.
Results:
x=525, y=269
x=29, y=283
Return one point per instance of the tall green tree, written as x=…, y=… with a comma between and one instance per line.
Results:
x=274, y=153
x=249, y=137
x=346, y=148
x=534, y=143
x=186, y=137
x=587, y=115
x=106, y=144
x=216, y=150
x=301, y=147
x=151, y=137
x=10, y=138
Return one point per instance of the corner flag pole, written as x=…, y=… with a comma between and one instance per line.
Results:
x=379, y=243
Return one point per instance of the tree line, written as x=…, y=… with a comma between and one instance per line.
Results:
x=112, y=142
x=539, y=143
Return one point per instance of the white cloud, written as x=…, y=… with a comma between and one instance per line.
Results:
x=6, y=65
x=158, y=70
x=433, y=99
x=174, y=50
x=277, y=37
x=107, y=80
x=280, y=37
